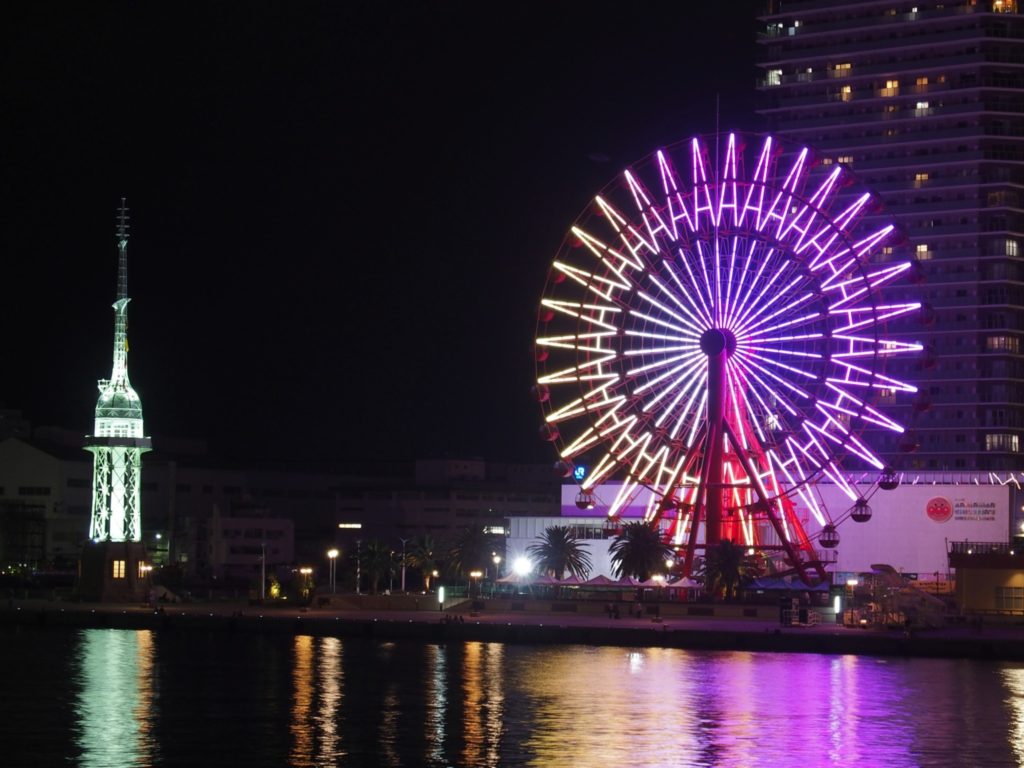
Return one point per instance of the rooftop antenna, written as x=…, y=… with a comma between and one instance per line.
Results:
x=122, y=250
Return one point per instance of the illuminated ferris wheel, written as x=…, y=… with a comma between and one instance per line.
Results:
x=711, y=341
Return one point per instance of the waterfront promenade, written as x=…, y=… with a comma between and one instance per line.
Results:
x=536, y=623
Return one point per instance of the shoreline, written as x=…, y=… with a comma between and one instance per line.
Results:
x=991, y=642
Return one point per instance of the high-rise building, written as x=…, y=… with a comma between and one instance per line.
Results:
x=925, y=102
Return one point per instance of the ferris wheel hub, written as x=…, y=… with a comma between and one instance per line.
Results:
x=714, y=341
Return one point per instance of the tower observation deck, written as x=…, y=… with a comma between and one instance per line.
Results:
x=118, y=442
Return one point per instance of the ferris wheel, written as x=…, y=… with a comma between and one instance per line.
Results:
x=711, y=342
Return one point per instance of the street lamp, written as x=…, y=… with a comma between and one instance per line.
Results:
x=332, y=554
x=475, y=576
x=359, y=563
x=263, y=571
x=497, y=566
x=403, y=563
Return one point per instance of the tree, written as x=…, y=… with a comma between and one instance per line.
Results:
x=559, y=550
x=470, y=551
x=423, y=555
x=639, y=551
x=726, y=565
x=378, y=561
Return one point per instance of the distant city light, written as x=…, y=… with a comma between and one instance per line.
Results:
x=355, y=526
x=496, y=530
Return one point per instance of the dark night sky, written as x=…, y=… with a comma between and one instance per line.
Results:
x=342, y=213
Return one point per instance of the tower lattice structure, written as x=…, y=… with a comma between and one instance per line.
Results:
x=118, y=442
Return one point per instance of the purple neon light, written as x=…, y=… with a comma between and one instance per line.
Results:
x=758, y=255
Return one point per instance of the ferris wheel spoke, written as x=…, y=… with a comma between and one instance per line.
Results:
x=615, y=262
x=811, y=213
x=738, y=311
x=862, y=346
x=706, y=256
x=603, y=287
x=704, y=316
x=871, y=316
x=831, y=232
x=858, y=376
x=596, y=400
x=633, y=241
x=753, y=308
x=698, y=375
x=800, y=300
x=598, y=315
x=692, y=312
x=859, y=409
x=662, y=227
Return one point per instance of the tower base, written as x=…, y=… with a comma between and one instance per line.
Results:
x=114, y=572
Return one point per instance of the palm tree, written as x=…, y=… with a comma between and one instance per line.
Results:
x=470, y=551
x=378, y=561
x=559, y=550
x=639, y=551
x=423, y=555
x=725, y=566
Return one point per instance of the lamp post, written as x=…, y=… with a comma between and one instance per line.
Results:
x=263, y=571
x=475, y=576
x=332, y=555
x=359, y=563
x=403, y=564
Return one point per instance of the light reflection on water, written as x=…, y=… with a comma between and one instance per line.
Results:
x=114, y=705
x=141, y=698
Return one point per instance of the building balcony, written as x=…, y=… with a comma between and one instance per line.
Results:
x=986, y=554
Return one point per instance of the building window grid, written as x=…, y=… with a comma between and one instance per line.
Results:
x=1010, y=598
x=118, y=569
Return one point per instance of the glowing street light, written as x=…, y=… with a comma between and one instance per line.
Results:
x=522, y=566
x=476, y=576
x=332, y=555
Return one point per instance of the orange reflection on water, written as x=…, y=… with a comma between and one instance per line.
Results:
x=317, y=682
x=483, y=702
x=302, y=702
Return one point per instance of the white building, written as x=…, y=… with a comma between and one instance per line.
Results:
x=909, y=528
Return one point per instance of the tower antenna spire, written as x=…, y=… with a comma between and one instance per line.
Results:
x=122, y=250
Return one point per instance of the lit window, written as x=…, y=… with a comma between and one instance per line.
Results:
x=887, y=250
x=1004, y=6
x=774, y=77
x=118, y=569
x=923, y=176
x=1002, y=442
x=1012, y=248
x=1002, y=344
x=922, y=81
x=922, y=105
x=826, y=161
x=845, y=159
x=846, y=93
x=143, y=569
x=922, y=252
x=842, y=70
x=892, y=88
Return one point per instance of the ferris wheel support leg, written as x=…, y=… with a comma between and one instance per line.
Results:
x=794, y=553
x=714, y=476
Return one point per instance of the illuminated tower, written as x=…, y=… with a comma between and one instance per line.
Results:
x=113, y=565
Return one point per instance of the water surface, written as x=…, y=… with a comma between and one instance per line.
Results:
x=110, y=698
